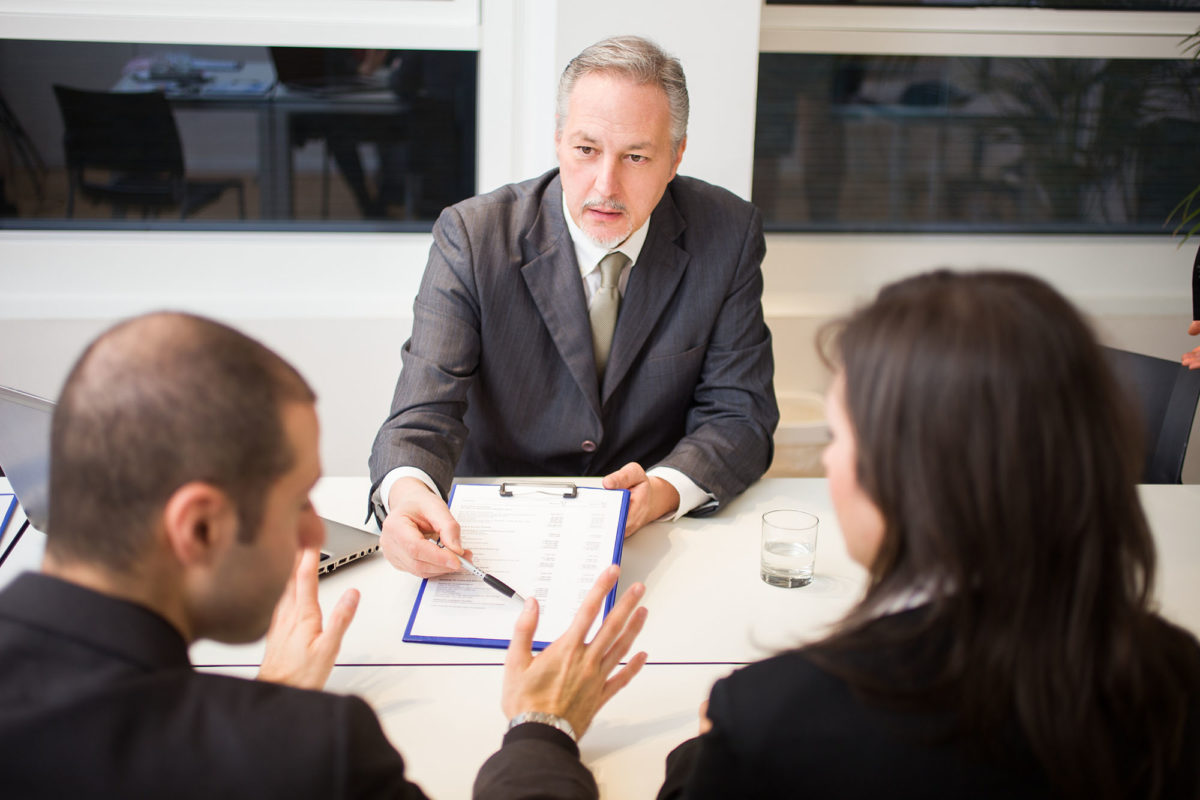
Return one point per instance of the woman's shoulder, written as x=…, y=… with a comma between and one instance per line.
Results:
x=899, y=646
x=788, y=680
x=1178, y=643
x=792, y=668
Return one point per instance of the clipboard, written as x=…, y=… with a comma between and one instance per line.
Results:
x=546, y=539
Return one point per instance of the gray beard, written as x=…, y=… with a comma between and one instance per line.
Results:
x=610, y=242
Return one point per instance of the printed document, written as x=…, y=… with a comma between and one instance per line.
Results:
x=540, y=543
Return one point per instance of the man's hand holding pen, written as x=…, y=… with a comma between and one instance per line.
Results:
x=417, y=518
x=491, y=580
x=570, y=678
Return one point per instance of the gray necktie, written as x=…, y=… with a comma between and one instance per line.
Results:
x=605, y=304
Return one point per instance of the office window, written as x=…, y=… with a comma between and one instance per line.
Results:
x=1098, y=5
x=1059, y=121
x=234, y=137
x=846, y=142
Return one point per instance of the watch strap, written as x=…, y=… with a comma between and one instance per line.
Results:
x=543, y=718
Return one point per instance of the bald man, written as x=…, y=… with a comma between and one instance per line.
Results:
x=182, y=456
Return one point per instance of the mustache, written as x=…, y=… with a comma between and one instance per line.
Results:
x=604, y=205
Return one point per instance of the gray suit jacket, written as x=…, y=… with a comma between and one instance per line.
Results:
x=499, y=376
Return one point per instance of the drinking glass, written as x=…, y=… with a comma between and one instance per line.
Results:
x=789, y=547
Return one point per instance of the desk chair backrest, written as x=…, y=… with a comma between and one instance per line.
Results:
x=313, y=67
x=1166, y=393
x=129, y=132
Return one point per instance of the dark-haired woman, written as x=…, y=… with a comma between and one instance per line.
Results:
x=983, y=468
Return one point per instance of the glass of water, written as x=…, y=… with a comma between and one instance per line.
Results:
x=789, y=547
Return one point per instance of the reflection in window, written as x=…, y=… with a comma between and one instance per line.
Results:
x=142, y=135
x=847, y=142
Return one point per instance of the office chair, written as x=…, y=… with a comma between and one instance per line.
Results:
x=1166, y=393
x=26, y=151
x=124, y=148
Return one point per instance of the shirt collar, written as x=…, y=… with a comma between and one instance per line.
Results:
x=97, y=621
x=588, y=253
x=922, y=593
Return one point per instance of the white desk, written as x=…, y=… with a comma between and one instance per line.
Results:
x=706, y=601
x=706, y=604
x=446, y=721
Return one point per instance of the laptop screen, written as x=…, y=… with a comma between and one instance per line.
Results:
x=25, y=451
x=25, y=456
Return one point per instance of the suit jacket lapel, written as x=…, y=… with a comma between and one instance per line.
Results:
x=660, y=267
x=552, y=277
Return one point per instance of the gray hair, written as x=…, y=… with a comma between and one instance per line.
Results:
x=641, y=61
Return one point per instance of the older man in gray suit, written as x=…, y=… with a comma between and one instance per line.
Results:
x=604, y=316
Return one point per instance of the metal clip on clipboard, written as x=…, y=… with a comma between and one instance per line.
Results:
x=568, y=489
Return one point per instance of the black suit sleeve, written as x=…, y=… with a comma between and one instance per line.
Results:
x=680, y=762
x=536, y=761
x=374, y=768
x=708, y=766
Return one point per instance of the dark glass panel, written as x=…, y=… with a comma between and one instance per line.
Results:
x=1095, y=5
x=847, y=142
x=247, y=138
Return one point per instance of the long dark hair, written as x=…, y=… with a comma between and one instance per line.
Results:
x=1004, y=459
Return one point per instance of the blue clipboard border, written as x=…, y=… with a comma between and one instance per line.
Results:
x=463, y=641
x=11, y=500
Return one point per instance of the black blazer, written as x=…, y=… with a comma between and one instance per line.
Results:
x=784, y=727
x=98, y=700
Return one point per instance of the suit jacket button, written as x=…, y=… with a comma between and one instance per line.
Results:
x=588, y=446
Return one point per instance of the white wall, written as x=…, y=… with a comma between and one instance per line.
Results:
x=339, y=305
x=717, y=43
x=341, y=320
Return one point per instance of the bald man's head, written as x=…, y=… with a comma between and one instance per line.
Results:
x=152, y=404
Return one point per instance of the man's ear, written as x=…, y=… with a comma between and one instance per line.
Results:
x=200, y=522
x=679, y=156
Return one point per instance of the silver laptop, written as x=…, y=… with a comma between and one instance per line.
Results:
x=25, y=458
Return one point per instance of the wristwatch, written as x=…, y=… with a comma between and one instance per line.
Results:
x=553, y=720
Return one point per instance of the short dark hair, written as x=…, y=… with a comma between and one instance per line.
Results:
x=1003, y=457
x=154, y=403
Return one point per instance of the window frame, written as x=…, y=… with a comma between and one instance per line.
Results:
x=1003, y=32
x=383, y=24
x=813, y=276
x=402, y=24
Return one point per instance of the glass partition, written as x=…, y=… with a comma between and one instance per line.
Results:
x=1093, y=5
x=141, y=135
x=929, y=143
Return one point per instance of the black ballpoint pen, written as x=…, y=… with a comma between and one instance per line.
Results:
x=494, y=582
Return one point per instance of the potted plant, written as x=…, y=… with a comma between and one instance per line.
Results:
x=1188, y=208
